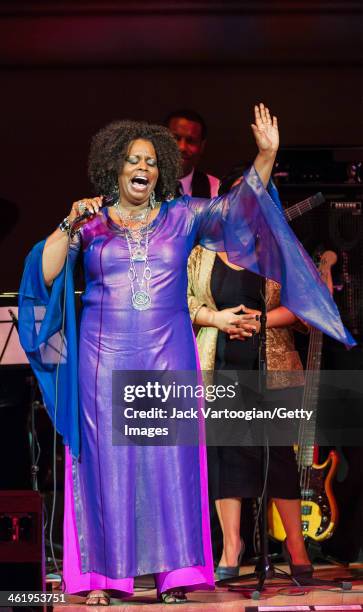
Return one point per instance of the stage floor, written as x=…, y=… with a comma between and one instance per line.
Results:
x=279, y=595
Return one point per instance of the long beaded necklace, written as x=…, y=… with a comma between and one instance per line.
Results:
x=140, y=298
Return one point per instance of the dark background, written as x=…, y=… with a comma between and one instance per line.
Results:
x=68, y=68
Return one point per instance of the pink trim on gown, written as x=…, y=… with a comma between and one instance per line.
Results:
x=193, y=578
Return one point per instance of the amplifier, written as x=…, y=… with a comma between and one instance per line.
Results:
x=336, y=225
x=21, y=541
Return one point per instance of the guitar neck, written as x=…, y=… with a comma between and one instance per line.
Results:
x=296, y=210
x=312, y=374
x=310, y=397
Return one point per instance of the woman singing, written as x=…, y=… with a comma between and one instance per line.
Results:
x=135, y=509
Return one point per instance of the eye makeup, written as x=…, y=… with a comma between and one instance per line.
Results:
x=134, y=159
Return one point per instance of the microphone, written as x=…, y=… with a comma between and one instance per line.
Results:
x=108, y=200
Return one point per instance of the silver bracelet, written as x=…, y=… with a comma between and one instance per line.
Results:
x=65, y=226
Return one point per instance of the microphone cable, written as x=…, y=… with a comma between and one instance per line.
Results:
x=54, y=467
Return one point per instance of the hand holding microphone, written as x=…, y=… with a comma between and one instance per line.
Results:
x=82, y=210
x=86, y=208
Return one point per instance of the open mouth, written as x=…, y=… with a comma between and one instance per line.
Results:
x=140, y=181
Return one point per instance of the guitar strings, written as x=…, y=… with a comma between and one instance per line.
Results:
x=302, y=207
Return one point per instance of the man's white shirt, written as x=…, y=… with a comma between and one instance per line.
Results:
x=186, y=184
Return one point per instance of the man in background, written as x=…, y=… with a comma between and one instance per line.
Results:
x=190, y=132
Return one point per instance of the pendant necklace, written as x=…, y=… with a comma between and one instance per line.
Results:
x=140, y=297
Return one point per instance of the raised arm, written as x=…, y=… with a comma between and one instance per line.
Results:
x=266, y=133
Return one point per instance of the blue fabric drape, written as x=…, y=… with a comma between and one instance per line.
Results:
x=40, y=321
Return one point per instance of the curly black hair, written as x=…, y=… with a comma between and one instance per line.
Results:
x=109, y=149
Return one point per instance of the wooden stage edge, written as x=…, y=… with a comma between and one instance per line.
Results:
x=280, y=594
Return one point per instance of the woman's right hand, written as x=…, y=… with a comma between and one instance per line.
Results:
x=79, y=207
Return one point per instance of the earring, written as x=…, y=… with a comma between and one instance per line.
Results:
x=114, y=195
x=152, y=199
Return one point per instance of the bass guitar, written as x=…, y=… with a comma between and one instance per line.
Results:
x=319, y=511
